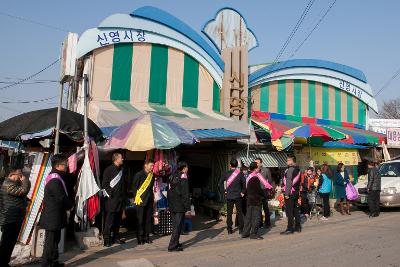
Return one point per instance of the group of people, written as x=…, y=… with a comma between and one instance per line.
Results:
x=249, y=194
x=248, y=191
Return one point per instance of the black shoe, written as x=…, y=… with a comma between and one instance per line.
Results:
x=57, y=264
x=257, y=237
x=148, y=240
x=245, y=236
x=230, y=231
x=180, y=245
x=107, y=243
x=119, y=241
x=177, y=249
x=298, y=229
x=140, y=241
x=185, y=233
x=267, y=225
x=287, y=232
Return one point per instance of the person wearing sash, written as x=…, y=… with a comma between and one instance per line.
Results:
x=114, y=192
x=291, y=181
x=179, y=204
x=266, y=173
x=233, y=184
x=255, y=194
x=143, y=184
x=56, y=203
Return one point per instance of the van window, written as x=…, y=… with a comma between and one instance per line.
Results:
x=390, y=169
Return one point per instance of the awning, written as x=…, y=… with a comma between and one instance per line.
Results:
x=203, y=124
x=218, y=134
x=356, y=136
x=270, y=159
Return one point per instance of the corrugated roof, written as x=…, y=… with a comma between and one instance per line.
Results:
x=218, y=134
x=270, y=159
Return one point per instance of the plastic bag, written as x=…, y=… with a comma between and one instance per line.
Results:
x=351, y=192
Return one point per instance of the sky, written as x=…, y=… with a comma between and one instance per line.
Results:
x=363, y=34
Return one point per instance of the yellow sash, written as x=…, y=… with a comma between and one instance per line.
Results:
x=142, y=189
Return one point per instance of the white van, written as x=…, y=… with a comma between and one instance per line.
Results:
x=390, y=185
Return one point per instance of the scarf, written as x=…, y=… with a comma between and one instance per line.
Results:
x=142, y=189
x=56, y=176
x=261, y=178
x=232, y=178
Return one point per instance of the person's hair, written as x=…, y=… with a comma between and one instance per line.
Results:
x=339, y=167
x=58, y=159
x=260, y=159
x=318, y=168
x=13, y=170
x=234, y=163
x=182, y=165
x=326, y=170
x=148, y=161
x=253, y=166
x=310, y=169
x=293, y=157
x=115, y=156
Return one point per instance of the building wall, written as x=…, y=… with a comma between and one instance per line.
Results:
x=144, y=74
x=305, y=98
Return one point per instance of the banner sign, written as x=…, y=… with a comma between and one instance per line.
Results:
x=393, y=136
x=330, y=156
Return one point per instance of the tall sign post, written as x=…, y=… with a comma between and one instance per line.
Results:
x=229, y=33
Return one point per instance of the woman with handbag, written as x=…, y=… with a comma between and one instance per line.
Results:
x=341, y=180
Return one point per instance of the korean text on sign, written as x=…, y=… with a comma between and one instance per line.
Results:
x=117, y=36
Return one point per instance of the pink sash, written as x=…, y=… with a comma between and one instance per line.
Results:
x=261, y=178
x=232, y=177
x=56, y=176
x=295, y=181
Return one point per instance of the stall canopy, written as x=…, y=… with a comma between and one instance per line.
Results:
x=147, y=132
x=270, y=159
x=283, y=123
x=42, y=124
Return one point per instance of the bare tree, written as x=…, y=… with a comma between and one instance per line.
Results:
x=390, y=109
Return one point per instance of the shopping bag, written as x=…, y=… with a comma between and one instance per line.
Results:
x=351, y=192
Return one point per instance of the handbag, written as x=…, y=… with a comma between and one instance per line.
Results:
x=351, y=192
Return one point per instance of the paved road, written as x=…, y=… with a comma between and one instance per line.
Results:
x=352, y=240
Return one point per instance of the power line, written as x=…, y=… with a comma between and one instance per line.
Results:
x=28, y=101
x=33, y=22
x=33, y=82
x=298, y=24
x=315, y=27
x=387, y=83
x=36, y=80
x=31, y=76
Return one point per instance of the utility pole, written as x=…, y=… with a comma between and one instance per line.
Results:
x=57, y=139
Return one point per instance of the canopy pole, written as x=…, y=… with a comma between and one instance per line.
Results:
x=57, y=138
x=85, y=86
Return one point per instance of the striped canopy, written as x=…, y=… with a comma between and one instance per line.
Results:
x=147, y=132
x=278, y=123
x=314, y=134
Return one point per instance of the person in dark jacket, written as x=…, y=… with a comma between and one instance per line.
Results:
x=56, y=203
x=143, y=184
x=341, y=180
x=255, y=195
x=266, y=173
x=373, y=189
x=291, y=188
x=13, y=204
x=114, y=192
x=233, y=184
x=306, y=182
x=179, y=203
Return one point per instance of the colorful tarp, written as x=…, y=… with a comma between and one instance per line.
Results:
x=40, y=169
x=314, y=134
x=148, y=132
x=354, y=134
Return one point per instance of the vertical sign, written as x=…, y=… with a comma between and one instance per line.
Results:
x=393, y=136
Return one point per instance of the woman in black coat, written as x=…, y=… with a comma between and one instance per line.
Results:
x=179, y=203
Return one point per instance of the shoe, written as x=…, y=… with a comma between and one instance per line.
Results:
x=57, y=264
x=257, y=237
x=177, y=249
x=140, y=241
x=323, y=218
x=148, y=240
x=287, y=232
x=267, y=225
x=245, y=236
x=180, y=245
x=230, y=231
x=107, y=243
x=297, y=229
x=119, y=241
